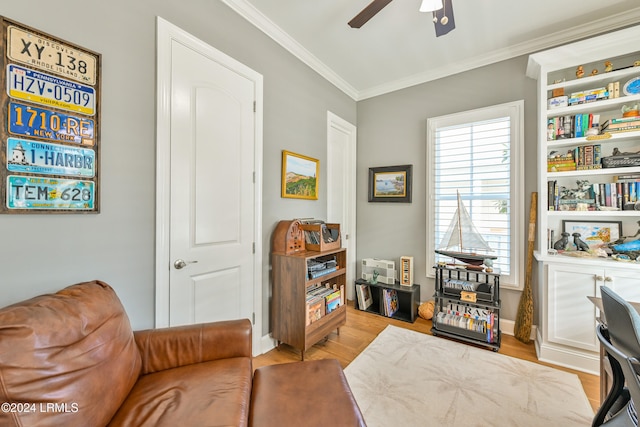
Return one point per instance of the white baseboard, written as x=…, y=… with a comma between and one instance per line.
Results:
x=508, y=327
x=267, y=342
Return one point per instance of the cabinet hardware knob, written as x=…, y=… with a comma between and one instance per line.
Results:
x=608, y=279
x=599, y=278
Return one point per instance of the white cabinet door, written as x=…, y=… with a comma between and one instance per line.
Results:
x=571, y=316
x=625, y=283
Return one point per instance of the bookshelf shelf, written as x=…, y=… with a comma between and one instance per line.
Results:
x=467, y=306
x=407, y=299
x=565, y=333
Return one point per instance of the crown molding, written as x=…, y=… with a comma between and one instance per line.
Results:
x=264, y=24
x=598, y=26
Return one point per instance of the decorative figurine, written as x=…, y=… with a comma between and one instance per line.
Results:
x=594, y=72
x=580, y=244
x=636, y=63
x=562, y=244
x=608, y=66
x=374, y=279
x=580, y=71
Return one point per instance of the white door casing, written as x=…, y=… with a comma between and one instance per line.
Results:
x=209, y=131
x=341, y=188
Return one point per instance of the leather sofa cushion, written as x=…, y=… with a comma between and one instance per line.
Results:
x=64, y=349
x=208, y=394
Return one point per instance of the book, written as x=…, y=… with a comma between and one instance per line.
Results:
x=332, y=301
x=390, y=301
x=364, y=296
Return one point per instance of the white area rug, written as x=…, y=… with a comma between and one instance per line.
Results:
x=406, y=378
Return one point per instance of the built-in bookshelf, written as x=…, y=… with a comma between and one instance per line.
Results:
x=467, y=305
x=589, y=176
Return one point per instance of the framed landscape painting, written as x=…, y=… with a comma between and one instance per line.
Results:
x=299, y=176
x=594, y=233
x=390, y=184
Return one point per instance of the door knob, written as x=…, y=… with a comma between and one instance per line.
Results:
x=180, y=263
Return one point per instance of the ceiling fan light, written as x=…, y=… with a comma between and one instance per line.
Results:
x=430, y=5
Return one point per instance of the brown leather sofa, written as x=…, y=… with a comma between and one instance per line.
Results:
x=71, y=359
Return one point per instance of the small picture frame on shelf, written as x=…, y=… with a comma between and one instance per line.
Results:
x=594, y=233
x=364, y=296
x=390, y=184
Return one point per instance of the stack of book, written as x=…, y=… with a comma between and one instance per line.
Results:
x=590, y=95
x=469, y=318
x=390, y=297
x=574, y=126
x=322, y=300
x=621, y=194
x=622, y=124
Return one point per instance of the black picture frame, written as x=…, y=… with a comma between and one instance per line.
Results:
x=390, y=184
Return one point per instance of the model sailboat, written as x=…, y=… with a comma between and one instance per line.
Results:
x=464, y=236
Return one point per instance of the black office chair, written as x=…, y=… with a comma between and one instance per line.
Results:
x=620, y=338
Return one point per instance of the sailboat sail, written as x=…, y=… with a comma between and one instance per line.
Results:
x=463, y=236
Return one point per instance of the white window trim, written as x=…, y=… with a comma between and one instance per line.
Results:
x=516, y=111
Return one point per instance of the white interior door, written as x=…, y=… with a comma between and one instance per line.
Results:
x=213, y=204
x=341, y=184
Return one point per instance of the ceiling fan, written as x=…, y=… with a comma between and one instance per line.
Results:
x=442, y=11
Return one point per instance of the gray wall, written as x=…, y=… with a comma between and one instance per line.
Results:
x=392, y=131
x=43, y=253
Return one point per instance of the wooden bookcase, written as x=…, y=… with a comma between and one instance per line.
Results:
x=407, y=299
x=289, y=307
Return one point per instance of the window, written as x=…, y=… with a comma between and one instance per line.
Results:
x=478, y=154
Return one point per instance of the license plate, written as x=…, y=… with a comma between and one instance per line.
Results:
x=50, y=91
x=31, y=121
x=49, y=55
x=30, y=192
x=49, y=159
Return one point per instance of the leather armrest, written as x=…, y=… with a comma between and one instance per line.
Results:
x=167, y=348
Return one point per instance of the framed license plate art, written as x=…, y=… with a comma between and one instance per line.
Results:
x=50, y=133
x=390, y=184
x=299, y=176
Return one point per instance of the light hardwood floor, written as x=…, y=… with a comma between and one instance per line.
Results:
x=362, y=328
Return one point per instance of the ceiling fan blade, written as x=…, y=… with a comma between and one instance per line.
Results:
x=368, y=12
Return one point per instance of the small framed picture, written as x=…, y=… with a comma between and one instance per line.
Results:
x=390, y=184
x=299, y=176
x=364, y=296
x=594, y=233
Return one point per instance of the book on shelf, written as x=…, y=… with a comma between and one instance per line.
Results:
x=620, y=194
x=363, y=293
x=390, y=297
x=332, y=301
x=323, y=272
x=315, y=309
